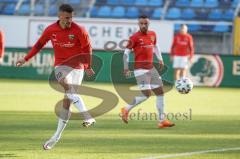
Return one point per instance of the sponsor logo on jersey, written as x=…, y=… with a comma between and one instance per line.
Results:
x=71, y=36
x=206, y=70
x=141, y=42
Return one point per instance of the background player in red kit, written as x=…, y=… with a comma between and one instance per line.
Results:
x=182, y=52
x=144, y=46
x=71, y=45
x=1, y=45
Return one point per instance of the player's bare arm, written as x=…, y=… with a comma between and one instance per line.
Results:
x=126, y=70
x=89, y=72
x=158, y=54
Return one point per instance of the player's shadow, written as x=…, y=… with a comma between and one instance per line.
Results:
x=8, y=155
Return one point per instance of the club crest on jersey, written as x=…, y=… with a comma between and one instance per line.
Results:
x=152, y=38
x=71, y=36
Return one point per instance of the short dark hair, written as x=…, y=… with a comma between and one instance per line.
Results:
x=65, y=8
x=143, y=17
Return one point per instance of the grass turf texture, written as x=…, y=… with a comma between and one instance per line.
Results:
x=27, y=121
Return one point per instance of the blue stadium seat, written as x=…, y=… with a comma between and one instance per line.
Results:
x=224, y=3
x=24, y=9
x=141, y=2
x=211, y=4
x=228, y=15
x=39, y=9
x=100, y=2
x=197, y=3
x=132, y=12
x=157, y=13
x=202, y=14
x=235, y=3
x=177, y=27
x=146, y=11
x=188, y=14
x=74, y=2
x=194, y=27
x=113, y=2
x=221, y=28
x=173, y=13
x=104, y=11
x=52, y=1
x=118, y=12
x=93, y=12
x=1, y=7
x=52, y=10
x=215, y=14
x=128, y=2
x=191, y=27
x=207, y=28
x=9, y=9
x=182, y=3
x=9, y=1
x=155, y=3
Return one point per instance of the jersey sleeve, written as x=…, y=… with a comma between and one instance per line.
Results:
x=38, y=45
x=86, y=48
x=131, y=43
x=173, y=45
x=191, y=46
x=1, y=44
x=156, y=48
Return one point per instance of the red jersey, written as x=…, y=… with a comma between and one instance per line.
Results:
x=71, y=45
x=142, y=45
x=1, y=44
x=182, y=45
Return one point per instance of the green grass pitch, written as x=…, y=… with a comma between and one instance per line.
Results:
x=28, y=120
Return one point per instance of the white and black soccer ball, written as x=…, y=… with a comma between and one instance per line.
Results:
x=184, y=85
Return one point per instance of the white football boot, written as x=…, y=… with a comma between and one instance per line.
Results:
x=50, y=144
x=89, y=122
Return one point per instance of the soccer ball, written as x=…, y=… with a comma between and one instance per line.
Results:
x=184, y=85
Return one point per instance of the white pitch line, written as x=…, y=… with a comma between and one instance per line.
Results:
x=192, y=153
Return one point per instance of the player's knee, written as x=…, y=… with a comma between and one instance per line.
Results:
x=66, y=103
x=158, y=91
x=147, y=93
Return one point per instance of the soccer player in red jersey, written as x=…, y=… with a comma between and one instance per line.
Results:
x=1, y=45
x=144, y=46
x=182, y=52
x=72, y=54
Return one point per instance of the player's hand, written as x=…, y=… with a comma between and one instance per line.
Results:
x=90, y=72
x=127, y=72
x=20, y=62
x=161, y=64
x=190, y=60
x=171, y=58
